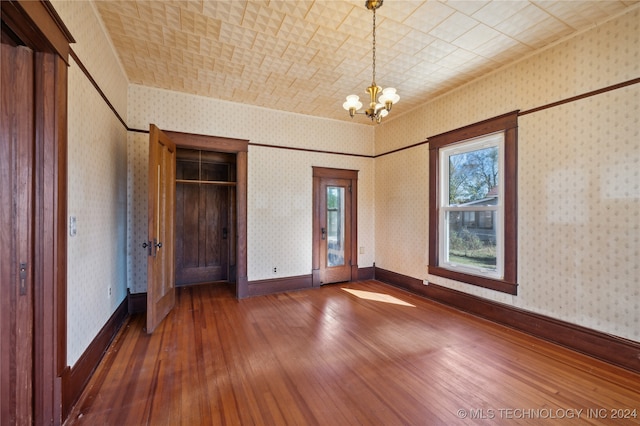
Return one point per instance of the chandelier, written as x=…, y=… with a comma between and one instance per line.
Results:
x=378, y=109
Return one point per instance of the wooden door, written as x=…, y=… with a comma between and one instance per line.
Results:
x=203, y=231
x=16, y=234
x=335, y=225
x=161, y=240
x=335, y=235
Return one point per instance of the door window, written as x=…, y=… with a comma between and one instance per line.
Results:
x=335, y=226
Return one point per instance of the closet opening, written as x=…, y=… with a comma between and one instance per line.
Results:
x=206, y=217
x=217, y=157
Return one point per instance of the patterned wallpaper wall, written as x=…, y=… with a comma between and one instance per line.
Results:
x=196, y=114
x=95, y=50
x=97, y=158
x=279, y=180
x=280, y=209
x=579, y=182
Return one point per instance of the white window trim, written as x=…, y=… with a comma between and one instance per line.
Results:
x=485, y=141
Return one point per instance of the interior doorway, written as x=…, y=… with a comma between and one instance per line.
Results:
x=335, y=226
x=235, y=153
x=205, y=216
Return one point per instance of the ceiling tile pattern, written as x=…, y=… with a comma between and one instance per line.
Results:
x=307, y=56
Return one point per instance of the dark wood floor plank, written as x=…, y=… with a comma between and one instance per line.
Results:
x=330, y=357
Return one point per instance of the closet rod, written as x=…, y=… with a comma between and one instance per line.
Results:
x=209, y=182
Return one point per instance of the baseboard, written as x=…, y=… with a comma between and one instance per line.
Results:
x=278, y=285
x=75, y=379
x=612, y=349
x=137, y=302
x=366, y=273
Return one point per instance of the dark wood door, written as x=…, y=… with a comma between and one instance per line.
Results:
x=161, y=231
x=16, y=234
x=203, y=231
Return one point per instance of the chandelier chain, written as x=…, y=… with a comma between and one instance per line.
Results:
x=373, y=82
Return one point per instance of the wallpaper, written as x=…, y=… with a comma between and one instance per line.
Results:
x=402, y=211
x=578, y=179
x=95, y=50
x=279, y=204
x=137, y=218
x=280, y=210
x=579, y=244
x=196, y=114
x=97, y=176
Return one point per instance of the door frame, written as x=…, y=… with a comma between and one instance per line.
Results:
x=240, y=147
x=38, y=25
x=320, y=173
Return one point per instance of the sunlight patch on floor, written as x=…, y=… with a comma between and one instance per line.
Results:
x=378, y=297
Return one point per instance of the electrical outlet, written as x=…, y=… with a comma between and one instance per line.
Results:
x=425, y=282
x=275, y=269
x=361, y=250
x=109, y=294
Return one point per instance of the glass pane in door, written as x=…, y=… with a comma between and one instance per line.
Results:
x=335, y=226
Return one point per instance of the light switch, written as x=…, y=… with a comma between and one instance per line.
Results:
x=73, y=228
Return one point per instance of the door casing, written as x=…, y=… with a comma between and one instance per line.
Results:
x=39, y=27
x=240, y=147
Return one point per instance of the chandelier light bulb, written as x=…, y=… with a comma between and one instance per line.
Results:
x=389, y=97
x=352, y=104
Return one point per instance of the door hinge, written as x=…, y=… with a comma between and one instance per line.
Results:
x=349, y=188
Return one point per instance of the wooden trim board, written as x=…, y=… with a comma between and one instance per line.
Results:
x=77, y=377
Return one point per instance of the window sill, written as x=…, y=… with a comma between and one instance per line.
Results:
x=490, y=283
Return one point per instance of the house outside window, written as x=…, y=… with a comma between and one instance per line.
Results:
x=473, y=204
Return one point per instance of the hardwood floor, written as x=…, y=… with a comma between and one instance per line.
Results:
x=334, y=357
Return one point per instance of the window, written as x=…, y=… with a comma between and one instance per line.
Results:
x=470, y=182
x=472, y=214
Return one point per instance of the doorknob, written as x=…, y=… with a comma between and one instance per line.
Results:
x=324, y=233
x=148, y=247
x=159, y=245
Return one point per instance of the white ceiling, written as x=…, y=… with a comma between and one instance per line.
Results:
x=307, y=56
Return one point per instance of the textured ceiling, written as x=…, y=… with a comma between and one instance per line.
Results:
x=307, y=56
